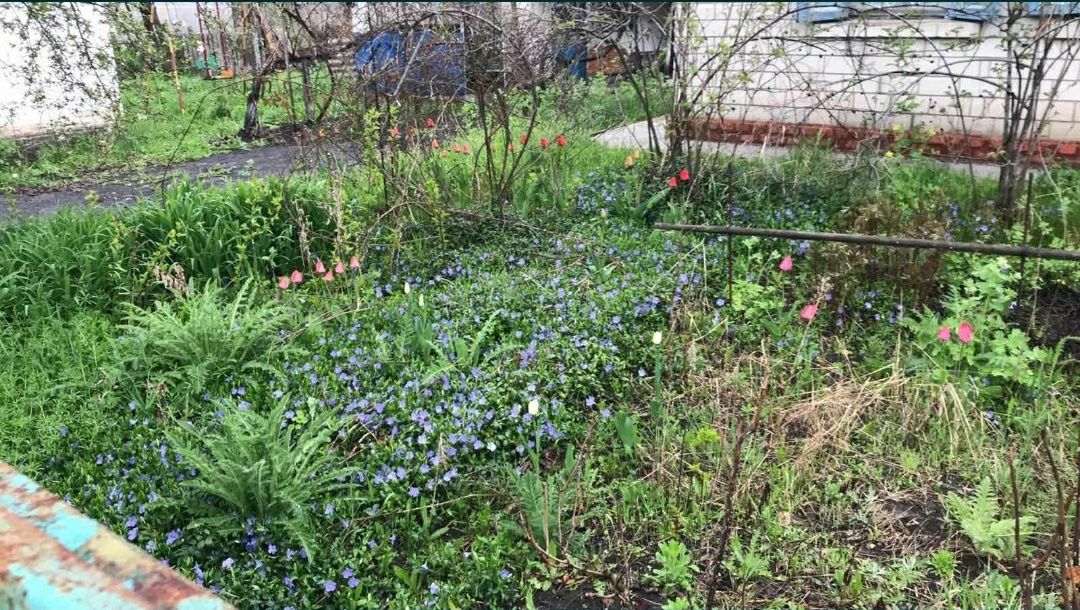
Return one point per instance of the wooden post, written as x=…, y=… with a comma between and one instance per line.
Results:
x=172, y=58
x=221, y=37
x=202, y=39
x=305, y=85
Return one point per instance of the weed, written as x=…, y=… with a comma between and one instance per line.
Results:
x=180, y=348
x=674, y=574
x=258, y=465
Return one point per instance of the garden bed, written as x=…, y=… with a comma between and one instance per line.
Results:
x=301, y=394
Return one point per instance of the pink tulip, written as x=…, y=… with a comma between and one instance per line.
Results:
x=339, y=268
x=354, y=263
x=283, y=282
x=965, y=332
x=329, y=277
x=319, y=266
x=297, y=277
x=944, y=334
x=785, y=265
x=809, y=312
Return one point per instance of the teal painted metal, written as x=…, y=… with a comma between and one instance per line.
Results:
x=54, y=558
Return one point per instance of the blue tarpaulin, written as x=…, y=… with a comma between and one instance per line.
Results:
x=418, y=65
x=576, y=56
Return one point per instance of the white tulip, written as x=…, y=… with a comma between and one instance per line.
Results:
x=407, y=288
x=534, y=407
x=657, y=338
x=421, y=300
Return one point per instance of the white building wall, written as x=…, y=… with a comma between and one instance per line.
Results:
x=54, y=87
x=846, y=72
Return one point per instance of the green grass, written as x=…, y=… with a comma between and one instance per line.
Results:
x=152, y=130
x=53, y=375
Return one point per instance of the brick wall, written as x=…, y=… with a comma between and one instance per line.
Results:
x=847, y=73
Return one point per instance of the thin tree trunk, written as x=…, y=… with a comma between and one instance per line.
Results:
x=305, y=78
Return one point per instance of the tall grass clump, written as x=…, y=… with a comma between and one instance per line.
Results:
x=103, y=260
x=64, y=264
x=183, y=346
x=257, y=465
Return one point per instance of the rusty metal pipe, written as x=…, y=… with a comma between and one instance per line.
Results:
x=881, y=240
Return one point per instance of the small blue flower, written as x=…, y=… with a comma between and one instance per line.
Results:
x=329, y=586
x=228, y=563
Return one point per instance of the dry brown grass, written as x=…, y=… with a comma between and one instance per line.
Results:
x=830, y=415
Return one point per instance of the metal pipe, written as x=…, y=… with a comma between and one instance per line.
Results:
x=880, y=240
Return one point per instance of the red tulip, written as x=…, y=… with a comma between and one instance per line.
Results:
x=319, y=266
x=944, y=334
x=457, y=147
x=464, y=149
x=354, y=263
x=560, y=140
x=297, y=277
x=965, y=332
x=544, y=143
x=684, y=175
x=809, y=312
x=430, y=123
x=339, y=268
x=672, y=182
x=394, y=133
x=329, y=277
x=786, y=264
x=434, y=143
x=283, y=282
x=523, y=139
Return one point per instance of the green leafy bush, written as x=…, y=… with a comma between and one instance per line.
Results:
x=186, y=345
x=995, y=354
